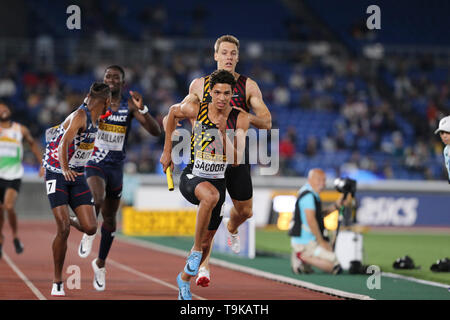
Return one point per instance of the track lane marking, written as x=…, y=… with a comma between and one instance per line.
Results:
x=24, y=278
x=131, y=270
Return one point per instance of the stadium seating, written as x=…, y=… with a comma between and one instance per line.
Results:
x=310, y=95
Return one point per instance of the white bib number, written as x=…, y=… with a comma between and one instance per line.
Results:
x=110, y=137
x=51, y=186
x=209, y=169
x=80, y=158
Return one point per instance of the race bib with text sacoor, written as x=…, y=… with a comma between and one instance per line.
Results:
x=210, y=166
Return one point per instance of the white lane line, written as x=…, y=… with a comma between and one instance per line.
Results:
x=249, y=270
x=138, y=273
x=148, y=277
x=425, y=282
x=30, y=285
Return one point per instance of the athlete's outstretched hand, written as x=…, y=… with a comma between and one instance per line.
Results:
x=137, y=99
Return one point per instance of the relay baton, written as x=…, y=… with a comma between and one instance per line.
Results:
x=169, y=178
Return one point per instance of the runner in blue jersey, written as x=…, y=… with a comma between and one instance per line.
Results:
x=66, y=154
x=104, y=170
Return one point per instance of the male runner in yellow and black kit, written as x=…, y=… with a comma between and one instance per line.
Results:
x=203, y=180
x=246, y=96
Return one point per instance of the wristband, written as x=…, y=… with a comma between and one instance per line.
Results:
x=144, y=111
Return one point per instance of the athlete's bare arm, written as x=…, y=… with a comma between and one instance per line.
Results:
x=242, y=125
x=34, y=146
x=196, y=87
x=146, y=120
x=262, y=119
x=75, y=123
x=235, y=151
x=187, y=109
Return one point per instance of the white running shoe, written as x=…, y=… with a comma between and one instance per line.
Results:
x=234, y=242
x=203, y=277
x=85, y=247
x=99, y=276
x=58, y=289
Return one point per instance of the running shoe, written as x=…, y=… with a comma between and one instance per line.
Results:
x=58, y=289
x=85, y=247
x=99, y=276
x=234, y=242
x=337, y=269
x=18, y=246
x=184, y=289
x=298, y=266
x=193, y=263
x=203, y=277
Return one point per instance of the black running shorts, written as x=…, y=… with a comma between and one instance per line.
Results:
x=6, y=184
x=188, y=183
x=239, y=182
x=113, y=176
x=62, y=192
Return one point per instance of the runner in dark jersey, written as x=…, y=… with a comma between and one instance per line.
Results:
x=66, y=154
x=247, y=98
x=104, y=171
x=203, y=180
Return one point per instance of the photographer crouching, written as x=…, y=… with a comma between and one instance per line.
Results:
x=309, y=245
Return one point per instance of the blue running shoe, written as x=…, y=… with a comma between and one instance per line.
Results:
x=184, y=289
x=193, y=263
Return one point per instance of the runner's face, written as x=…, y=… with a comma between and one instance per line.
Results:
x=221, y=95
x=113, y=78
x=227, y=56
x=5, y=113
x=445, y=137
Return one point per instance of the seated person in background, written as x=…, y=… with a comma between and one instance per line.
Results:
x=309, y=246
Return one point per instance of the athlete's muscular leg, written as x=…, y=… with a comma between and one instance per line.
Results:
x=109, y=214
x=207, y=245
x=241, y=211
x=208, y=196
x=98, y=189
x=86, y=217
x=59, y=245
x=205, y=259
x=9, y=204
x=2, y=221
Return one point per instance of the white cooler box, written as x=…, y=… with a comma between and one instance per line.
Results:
x=349, y=247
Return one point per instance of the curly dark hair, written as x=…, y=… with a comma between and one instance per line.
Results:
x=99, y=90
x=222, y=76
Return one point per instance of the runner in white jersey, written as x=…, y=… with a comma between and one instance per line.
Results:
x=12, y=135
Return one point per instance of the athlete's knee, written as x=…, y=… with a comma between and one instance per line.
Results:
x=91, y=229
x=211, y=199
x=9, y=207
x=63, y=230
x=245, y=212
x=98, y=200
x=109, y=223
